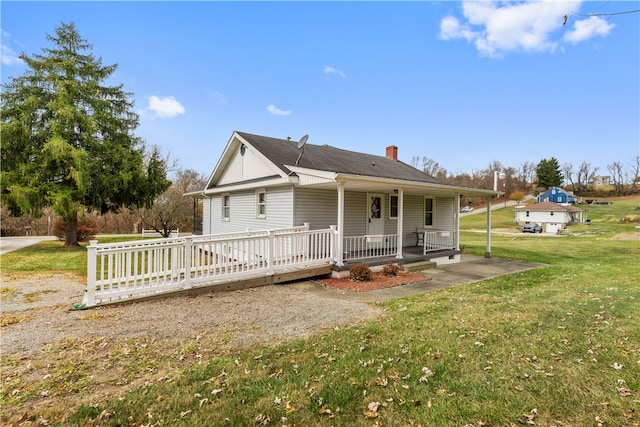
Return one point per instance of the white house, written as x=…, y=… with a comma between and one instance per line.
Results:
x=372, y=201
x=552, y=216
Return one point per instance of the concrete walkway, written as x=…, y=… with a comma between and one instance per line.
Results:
x=471, y=269
x=10, y=244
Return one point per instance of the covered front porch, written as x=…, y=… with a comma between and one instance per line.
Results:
x=429, y=244
x=384, y=217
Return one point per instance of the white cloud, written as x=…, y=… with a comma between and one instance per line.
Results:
x=496, y=28
x=166, y=107
x=588, y=28
x=333, y=71
x=276, y=111
x=9, y=57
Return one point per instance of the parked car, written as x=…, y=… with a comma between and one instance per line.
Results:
x=466, y=209
x=532, y=228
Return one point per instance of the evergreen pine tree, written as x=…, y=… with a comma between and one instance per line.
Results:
x=68, y=139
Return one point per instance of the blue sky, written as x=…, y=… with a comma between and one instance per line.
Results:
x=462, y=83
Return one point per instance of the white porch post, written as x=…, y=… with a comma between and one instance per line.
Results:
x=340, y=235
x=457, y=233
x=188, y=247
x=400, y=221
x=487, y=251
x=92, y=254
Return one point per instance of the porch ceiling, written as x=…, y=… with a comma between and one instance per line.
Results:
x=367, y=184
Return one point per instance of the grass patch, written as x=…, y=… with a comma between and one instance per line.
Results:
x=98, y=314
x=11, y=319
x=558, y=345
x=49, y=257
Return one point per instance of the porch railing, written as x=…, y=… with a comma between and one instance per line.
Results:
x=369, y=246
x=438, y=240
x=128, y=269
x=118, y=271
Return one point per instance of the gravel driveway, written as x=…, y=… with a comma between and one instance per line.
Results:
x=38, y=315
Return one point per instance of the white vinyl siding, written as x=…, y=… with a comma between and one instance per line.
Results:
x=317, y=207
x=243, y=211
x=320, y=209
x=355, y=214
x=206, y=215
x=444, y=213
x=413, y=217
x=246, y=167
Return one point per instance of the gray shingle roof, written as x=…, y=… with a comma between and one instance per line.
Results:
x=327, y=158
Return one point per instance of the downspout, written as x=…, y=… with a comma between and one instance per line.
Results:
x=340, y=242
x=400, y=221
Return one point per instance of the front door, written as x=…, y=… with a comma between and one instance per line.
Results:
x=375, y=214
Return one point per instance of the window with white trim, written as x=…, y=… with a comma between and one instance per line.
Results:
x=393, y=207
x=261, y=203
x=226, y=207
x=429, y=211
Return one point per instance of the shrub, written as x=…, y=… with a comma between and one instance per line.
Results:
x=87, y=228
x=391, y=269
x=360, y=273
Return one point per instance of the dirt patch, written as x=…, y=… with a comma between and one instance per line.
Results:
x=633, y=235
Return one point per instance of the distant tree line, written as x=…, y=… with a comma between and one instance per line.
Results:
x=534, y=177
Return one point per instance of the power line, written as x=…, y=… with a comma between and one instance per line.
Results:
x=609, y=14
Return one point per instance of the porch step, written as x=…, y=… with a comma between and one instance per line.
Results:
x=419, y=266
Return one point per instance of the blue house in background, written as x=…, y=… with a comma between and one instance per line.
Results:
x=557, y=195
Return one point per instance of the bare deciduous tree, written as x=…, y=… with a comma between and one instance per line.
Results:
x=567, y=170
x=633, y=175
x=617, y=175
x=172, y=210
x=586, y=174
x=429, y=166
x=527, y=172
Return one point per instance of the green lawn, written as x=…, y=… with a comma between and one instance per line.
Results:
x=558, y=345
x=50, y=257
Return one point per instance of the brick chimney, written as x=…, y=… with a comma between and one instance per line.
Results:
x=392, y=152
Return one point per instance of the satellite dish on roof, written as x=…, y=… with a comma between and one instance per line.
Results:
x=301, y=144
x=303, y=141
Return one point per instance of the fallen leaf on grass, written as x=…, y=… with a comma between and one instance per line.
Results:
x=262, y=419
x=382, y=382
x=326, y=411
x=372, y=410
x=625, y=392
x=106, y=414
